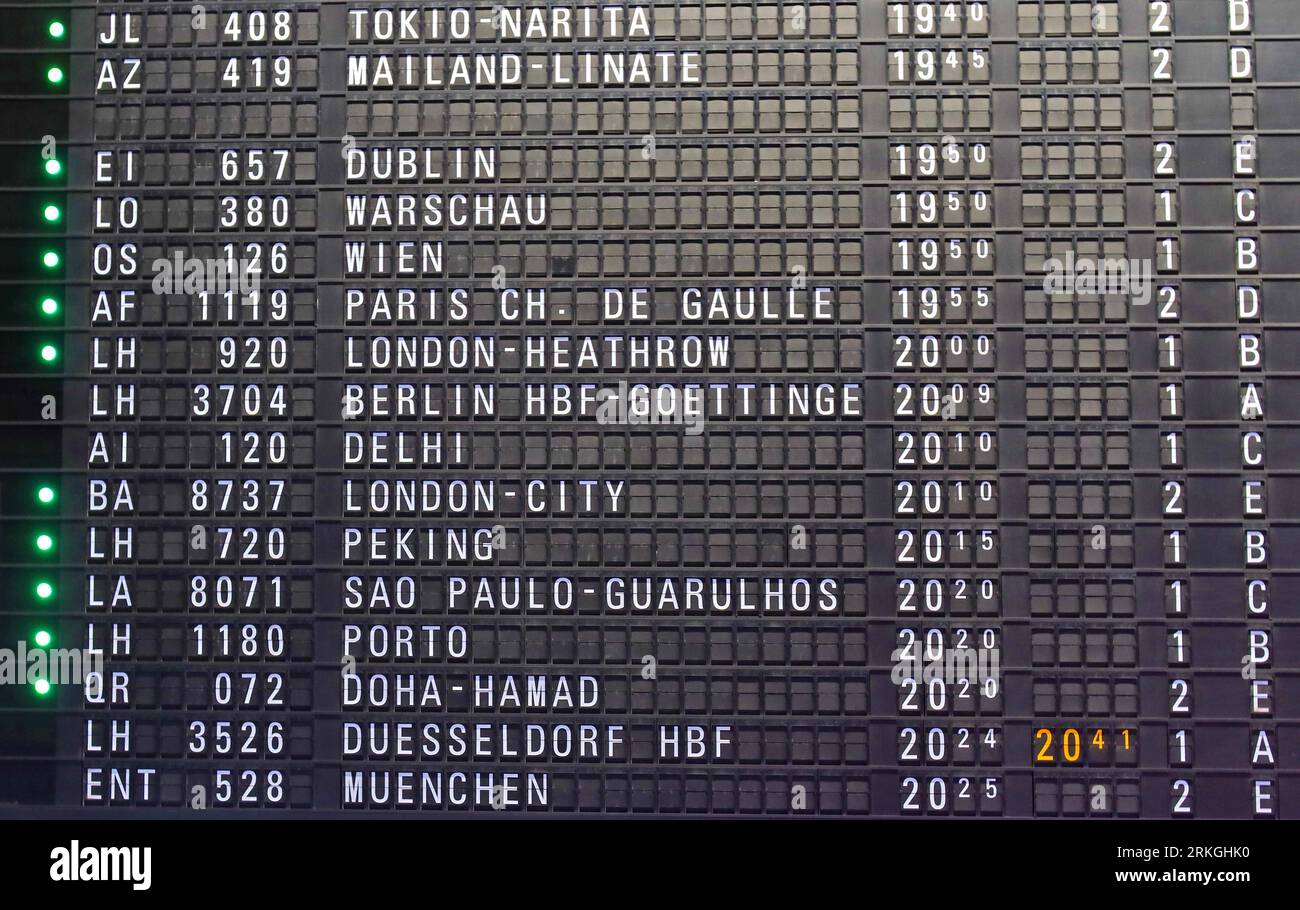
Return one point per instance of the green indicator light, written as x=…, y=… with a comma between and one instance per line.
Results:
x=49, y=353
x=53, y=167
x=52, y=213
x=45, y=495
x=50, y=306
x=44, y=543
x=43, y=638
x=50, y=259
x=54, y=74
x=44, y=590
x=56, y=29
x=42, y=686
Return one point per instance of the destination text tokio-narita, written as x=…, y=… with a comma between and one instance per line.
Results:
x=500, y=22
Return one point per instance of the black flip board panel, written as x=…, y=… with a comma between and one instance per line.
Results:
x=660, y=408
